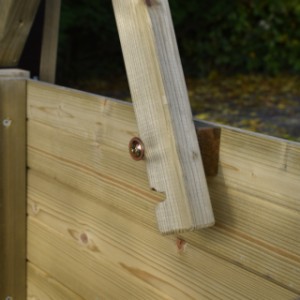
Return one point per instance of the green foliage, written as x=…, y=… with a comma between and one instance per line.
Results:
x=221, y=36
x=238, y=36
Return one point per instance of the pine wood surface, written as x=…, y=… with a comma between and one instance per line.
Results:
x=50, y=41
x=4, y=15
x=99, y=253
x=44, y=287
x=12, y=186
x=16, y=18
x=92, y=214
x=163, y=114
x=9, y=74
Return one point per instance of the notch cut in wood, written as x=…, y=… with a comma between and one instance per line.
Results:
x=163, y=113
x=209, y=138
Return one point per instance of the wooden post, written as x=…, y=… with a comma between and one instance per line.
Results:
x=163, y=114
x=13, y=184
x=50, y=41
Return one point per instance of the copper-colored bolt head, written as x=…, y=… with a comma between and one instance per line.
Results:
x=136, y=148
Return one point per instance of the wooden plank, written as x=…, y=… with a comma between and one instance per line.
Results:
x=102, y=279
x=163, y=114
x=262, y=166
x=12, y=187
x=41, y=286
x=89, y=240
x=50, y=41
x=13, y=74
x=81, y=140
x=15, y=26
x=5, y=12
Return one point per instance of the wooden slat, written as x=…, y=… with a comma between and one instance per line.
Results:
x=272, y=170
x=120, y=259
x=81, y=140
x=50, y=41
x=6, y=7
x=12, y=187
x=163, y=114
x=16, y=19
x=41, y=286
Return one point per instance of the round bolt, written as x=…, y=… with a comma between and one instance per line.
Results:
x=136, y=148
x=6, y=122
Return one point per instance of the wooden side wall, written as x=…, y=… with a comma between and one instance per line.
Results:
x=92, y=232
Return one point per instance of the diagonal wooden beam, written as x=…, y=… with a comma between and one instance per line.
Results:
x=15, y=26
x=163, y=114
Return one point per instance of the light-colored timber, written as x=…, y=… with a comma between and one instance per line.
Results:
x=6, y=7
x=16, y=18
x=92, y=225
x=163, y=114
x=13, y=74
x=12, y=184
x=50, y=41
x=44, y=287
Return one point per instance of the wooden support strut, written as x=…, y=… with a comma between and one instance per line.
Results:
x=163, y=113
x=50, y=41
x=13, y=184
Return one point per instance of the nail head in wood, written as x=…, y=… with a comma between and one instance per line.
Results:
x=6, y=122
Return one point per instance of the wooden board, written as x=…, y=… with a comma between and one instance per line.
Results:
x=92, y=214
x=44, y=287
x=50, y=41
x=12, y=185
x=123, y=259
x=5, y=12
x=16, y=18
x=163, y=114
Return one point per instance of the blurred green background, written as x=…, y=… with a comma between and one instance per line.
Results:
x=241, y=58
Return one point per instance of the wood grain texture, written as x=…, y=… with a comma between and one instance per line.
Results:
x=50, y=41
x=100, y=254
x=163, y=114
x=16, y=18
x=41, y=286
x=80, y=141
x=12, y=187
x=6, y=8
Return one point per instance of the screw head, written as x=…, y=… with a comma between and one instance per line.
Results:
x=6, y=122
x=136, y=148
